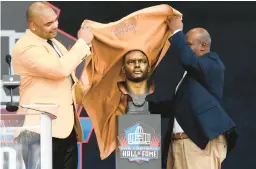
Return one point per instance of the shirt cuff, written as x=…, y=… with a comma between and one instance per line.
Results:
x=83, y=41
x=176, y=31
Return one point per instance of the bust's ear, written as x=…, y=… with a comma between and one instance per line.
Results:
x=123, y=69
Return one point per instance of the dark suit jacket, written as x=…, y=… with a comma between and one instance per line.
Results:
x=197, y=103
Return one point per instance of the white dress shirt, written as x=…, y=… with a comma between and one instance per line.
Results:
x=176, y=127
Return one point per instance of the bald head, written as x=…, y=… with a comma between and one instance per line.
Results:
x=42, y=20
x=37, y=8
x=199, y=40
x=202, y=35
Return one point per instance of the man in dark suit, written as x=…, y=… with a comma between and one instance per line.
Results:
x=198, y=125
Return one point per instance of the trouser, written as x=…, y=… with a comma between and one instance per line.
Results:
x=187, y=155
x=65, y=153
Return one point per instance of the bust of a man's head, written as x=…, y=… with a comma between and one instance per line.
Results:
x=136, y=66
x=136, y=69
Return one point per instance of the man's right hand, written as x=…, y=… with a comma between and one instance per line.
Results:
x=174, y=23
x=85, y=34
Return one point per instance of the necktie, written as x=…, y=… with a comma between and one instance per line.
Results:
x=51, y=43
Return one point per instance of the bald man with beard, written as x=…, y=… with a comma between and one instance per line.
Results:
x=46, y=69
x=200, y=132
